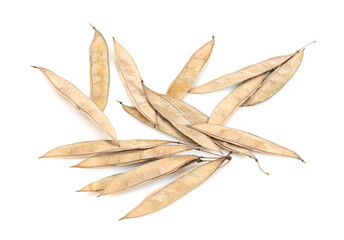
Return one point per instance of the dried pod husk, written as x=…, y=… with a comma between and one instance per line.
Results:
x=91, y=148
x=241, y=75
x=79, y=100
x=124, y=158
x=148, y=172
x=168, y=194
x=244, y=139
x=274, y=82
x=131, y=79
x=99, y=70
x=181, y=85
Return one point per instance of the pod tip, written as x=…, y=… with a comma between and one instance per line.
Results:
x=122, y=218
x=92, y=26
x=300, y=158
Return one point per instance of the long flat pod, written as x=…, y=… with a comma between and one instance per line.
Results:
x=241, y=75
x=99, y=70
x=91, y=148
x=225, y=109
x=162, y=124
x=192, y=113
x=123, y=158
x=178, y=119
x=131, y=79
x=235, y=149
x=244, y=139
x=276, y=80
x=171, y=192
x=181, y=85
x=83, y=103
x=147, y=173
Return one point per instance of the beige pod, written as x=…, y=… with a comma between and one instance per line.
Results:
x=171, y=192
x=182, y=83
x=124, y=158
x=79, y=100
x=244, y=139
x=131, y=79
x=241, y=75
x=273, y=83
x=91, y=148
x=148, y=172
x=99, y=70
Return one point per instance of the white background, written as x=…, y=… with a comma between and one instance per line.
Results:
x=297, y=201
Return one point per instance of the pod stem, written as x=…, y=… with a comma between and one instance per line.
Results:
x=119, y=102
x=306, y=46
x=261, y=168
x=228, y=158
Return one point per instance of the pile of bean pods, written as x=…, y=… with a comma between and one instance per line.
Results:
x=168, y=113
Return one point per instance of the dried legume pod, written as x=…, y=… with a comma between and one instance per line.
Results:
x=181, y=85
x=91, y=148
x=147, y=172
x=123, y=158
x=99, y=70
x=241, y=75
x=273, y=83
x=171, y=192
x=131, y=79
x=244, y=139
x=83, y=103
